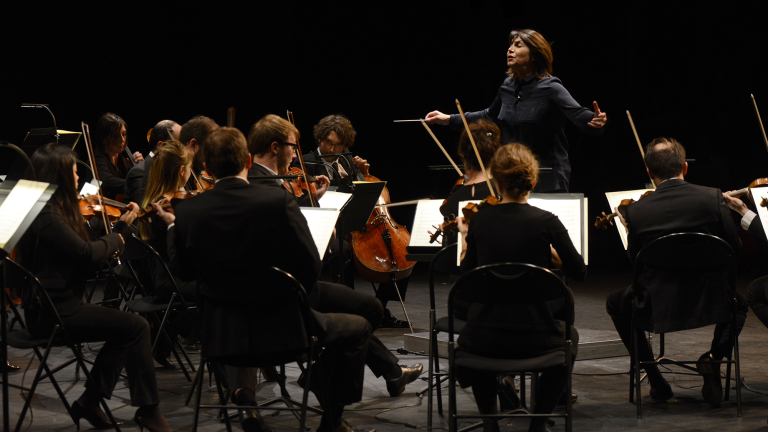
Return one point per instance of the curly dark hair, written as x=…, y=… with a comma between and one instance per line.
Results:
x=487, y=137
x=335, y=123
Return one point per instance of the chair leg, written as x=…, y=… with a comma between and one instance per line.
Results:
x=452, y=420
x=199, y=386
x=163, y=321
x=639, y=400
x=738, y=375
x=223, y=401
x=430, y=372
x=31, y=393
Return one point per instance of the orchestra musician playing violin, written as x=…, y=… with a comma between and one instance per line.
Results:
x=136, y=180
x=113, y=163
x=58, y=250
x=532, y=107
x=514, y=231
x=677, y=206
x=192, y=135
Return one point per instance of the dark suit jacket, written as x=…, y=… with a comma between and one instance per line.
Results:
x=112, y=179
x=220, y=238
x=677, y=300
x=135, y=182
x=757, y=231
x=257, y=171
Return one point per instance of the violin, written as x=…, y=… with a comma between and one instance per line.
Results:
x=761, y=182
x=469, y=211
x=604, y=221
x=89, y=207
x=300, y=184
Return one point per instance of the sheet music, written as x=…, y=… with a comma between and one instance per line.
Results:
x=16, y=207
x=614, y=199
x=321, y=223
x=426, y=218
x=89, y=189
x=569, y=213
x=2, y=177
x=758, y=194
x=334, y=200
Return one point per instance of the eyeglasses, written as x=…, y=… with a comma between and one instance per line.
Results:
x=294, y=145
x=330, y=144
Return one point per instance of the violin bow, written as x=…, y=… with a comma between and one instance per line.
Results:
x=474, y=146
x=759, y=120
x=312, y=199
x=231, y=117
x=426, y=126
x=91, y=158
x=639, y=145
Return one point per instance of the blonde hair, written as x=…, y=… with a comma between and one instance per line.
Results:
x=515, y=169
x=164, y=176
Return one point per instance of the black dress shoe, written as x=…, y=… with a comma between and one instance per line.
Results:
x=252, y=421
x=396, y=386
x=712, y=391
x=97, y=418
x=389, y=321
x=661, y=393
x=9, y=367
x=165, y=362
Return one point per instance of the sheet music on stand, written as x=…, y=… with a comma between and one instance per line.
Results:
x=426, y=218
x=321, y=222
x=571, y=209
x=614, y=199
x=759, y=194
x=334, y=200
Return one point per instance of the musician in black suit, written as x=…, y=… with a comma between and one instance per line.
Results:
x=136, y=179
x=269, y=140
x=677, y=206
x=227, y=220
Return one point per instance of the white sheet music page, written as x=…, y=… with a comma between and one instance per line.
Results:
x=426, y=218
x=321, y=223
x=334, y=200
x=569, y=213
x=758, y=194
x=614, y=199
x=17, y=205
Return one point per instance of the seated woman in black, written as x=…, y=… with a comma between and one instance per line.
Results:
x=109, y=141
x=487, y=136
x=515, y=231
x=58, y=251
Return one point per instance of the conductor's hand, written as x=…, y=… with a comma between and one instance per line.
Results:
x=436, y=117
x=138, y=157
x=129, y=216
x=322, y=187
x=621, y=219
x=362, y=164
x=735, y=204
x=600, y=118
x=166, y=215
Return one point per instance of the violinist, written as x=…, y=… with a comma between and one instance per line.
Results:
x=136, y=180
x=192, y=135
x=532, y=107
x=514, y=231
x=170, y=170
x=110, y=138
x=676, y=206
x=58, y=250
x=272, y=142
x=487, y=136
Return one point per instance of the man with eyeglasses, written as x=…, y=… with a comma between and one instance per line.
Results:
x=334, y=134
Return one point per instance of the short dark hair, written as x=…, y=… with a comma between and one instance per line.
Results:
x=225, y=152
x=541, y=51
x=667, y=162
x=198, y=127
x=335, y=123
x=515, y=169
x=487, y=138
x=267, y=130
x=161, y=132
x=107, y=130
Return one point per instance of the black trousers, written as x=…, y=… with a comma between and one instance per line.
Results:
x=331, y=260
x=330, y=297
x=127, y=345
x=757, y=298
x=619, y=307
x=387, y=292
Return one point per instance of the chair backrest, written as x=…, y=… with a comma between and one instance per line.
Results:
x=513, y=284
x=154, y=256
x=686, y=252
x=445, y=253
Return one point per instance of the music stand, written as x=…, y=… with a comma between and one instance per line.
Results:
x=5, y=250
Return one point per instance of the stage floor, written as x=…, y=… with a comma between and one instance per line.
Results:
x=603, y=395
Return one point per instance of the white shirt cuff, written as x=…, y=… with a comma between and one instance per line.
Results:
x=171, y=225
x=746, y=220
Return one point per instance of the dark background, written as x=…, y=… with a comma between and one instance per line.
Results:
x=684, y=71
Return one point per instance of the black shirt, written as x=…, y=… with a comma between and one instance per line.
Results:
x=112, y=176
x=534, y=113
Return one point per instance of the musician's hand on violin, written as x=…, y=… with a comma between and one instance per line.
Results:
x=322, y=187
x=362, y=164
x=138, y=157
x=600, y=118
x=620, y=217
x=436, y=117
x=166, y=215
x=462, y=226
x=735, y=204
x=129, y=216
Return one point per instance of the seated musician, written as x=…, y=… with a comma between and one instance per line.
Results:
x=109, y=140
x=57, y=249
x=268, y=133
x=170, y=170
x=514, y=231
x=686, y=208
x=192, y=135
x=136, y=180
x=487, y=137
x=204, y=223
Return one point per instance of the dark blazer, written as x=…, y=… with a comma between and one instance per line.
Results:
x=757, y=231
x=112, y=178
x=62, y=260
x=680, y=301
x=257, y=171
x=238, y=226
x=135, y=182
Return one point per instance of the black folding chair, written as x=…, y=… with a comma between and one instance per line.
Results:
x=150, y=306
x=508, y=284
x=693, y=253
x=23, y=339
x=282, y=290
